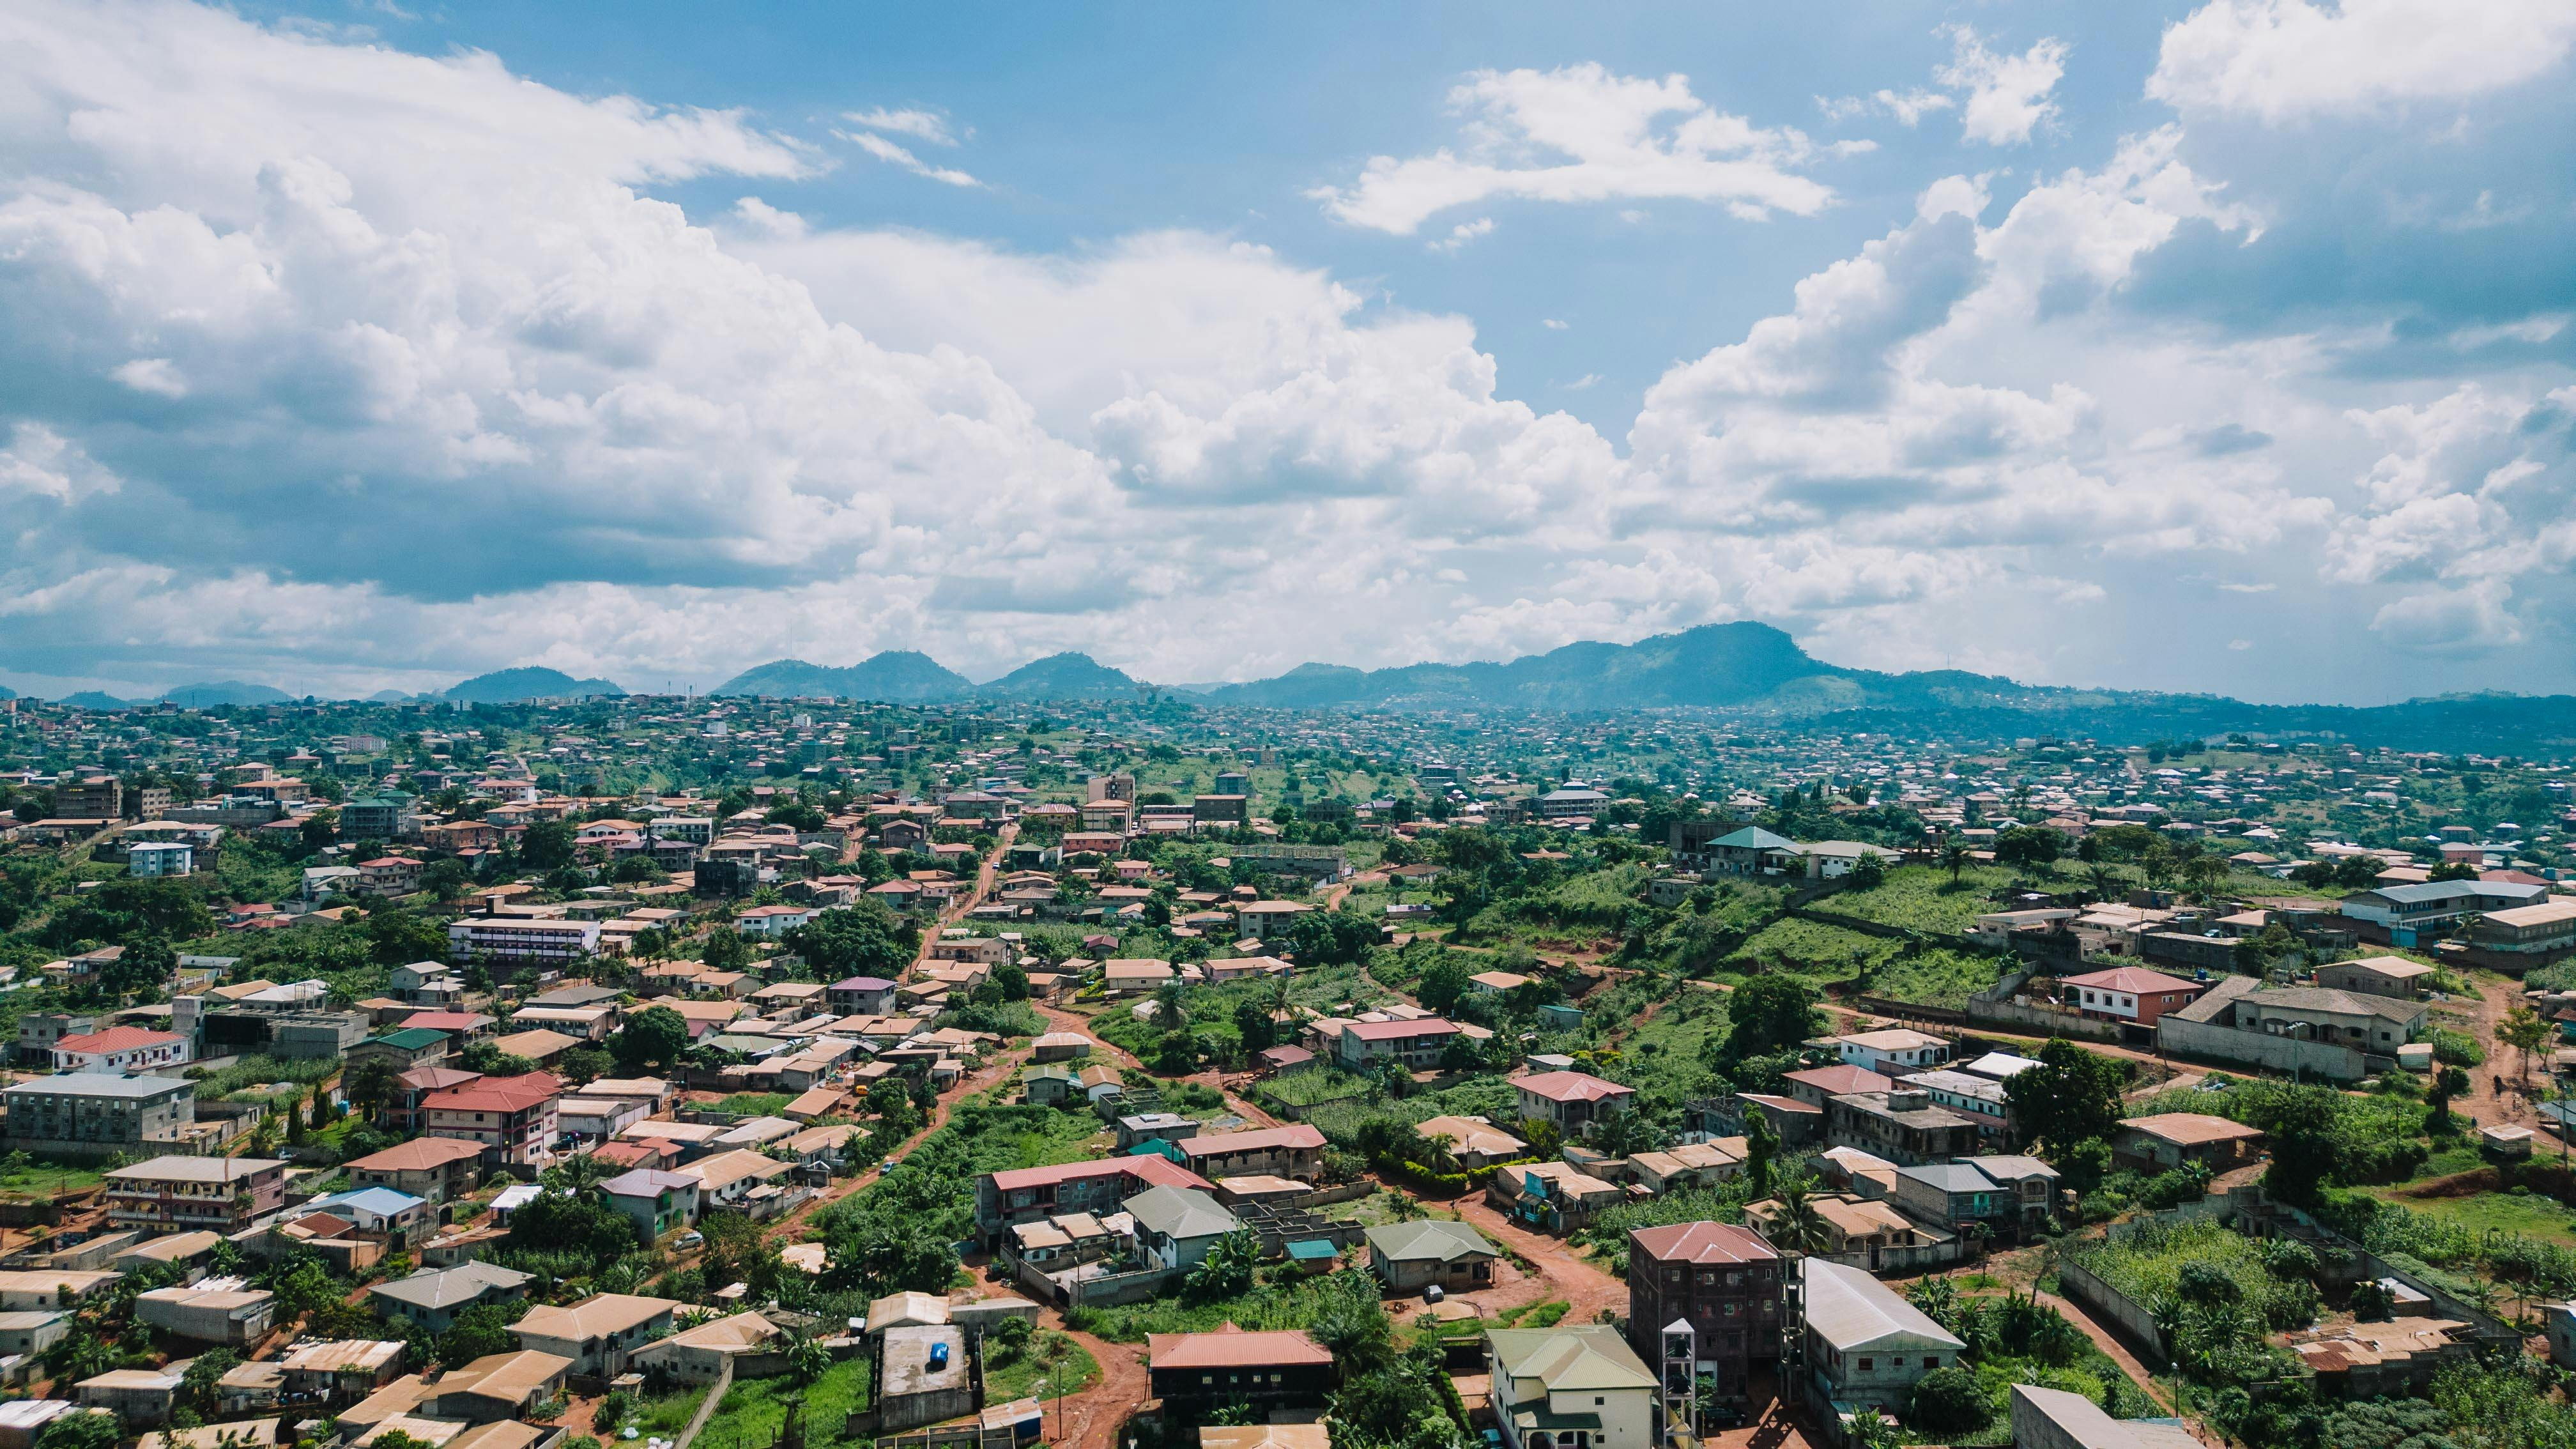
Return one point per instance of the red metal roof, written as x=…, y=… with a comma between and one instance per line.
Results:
x=1232, y=1347
x=2133, y=979
x=1400, y=1030
x=1702, y=1243
x=1572, y=1087
x=1262, y=1140
x=115, y=1039
x=1151, y=1170
x=497, y=1094
x=1842, y=1077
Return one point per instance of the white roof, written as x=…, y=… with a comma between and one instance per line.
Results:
x=1851, y=1310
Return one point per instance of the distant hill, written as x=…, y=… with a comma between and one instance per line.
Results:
x=391, y=696
x=95, y=699
x=517, y=686
x=1716, y=664
x=229, y=691
x=1060, y=676
x=898, y=676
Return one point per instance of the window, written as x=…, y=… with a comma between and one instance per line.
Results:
x=1931, y=1360
x=1897, y=1362
x=1868, y=1364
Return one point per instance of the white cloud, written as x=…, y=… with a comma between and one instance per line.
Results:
x=2008, y=95
x=1554, y=324
x=2451, y=621
x=1910, y=107
x=2287, y=60
x=1581, y=134
x=153, y=375
x=887, y=151
x=1463, y=233
x=919, y=124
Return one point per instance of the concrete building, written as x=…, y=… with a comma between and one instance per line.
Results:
x=1902, y=1126
x=1409, y=1257
x=2058, y=1419
x=1176, y=1226
x=1723, y=1280
x=96, y=1114
x=1414, y=1045
x=599, y=1334
x=2132, y=995
x=434, y=1169
x=1866, y=1346
x=520, y=941
x=223, y=1311
x=2391, y=976
x=171, y=1194
x=1279, y=1368
x=699, y=1355
x=120, y=1049
x=512, y=1117
x=433, y=1297
x=657, y=1202
x=1571, y=1100
x=1570, y=1388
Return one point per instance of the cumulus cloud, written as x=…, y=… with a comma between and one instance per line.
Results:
x=1582, y=134
x=2008, y=95
x=2287, y=60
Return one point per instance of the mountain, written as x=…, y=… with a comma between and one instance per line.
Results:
x=1759, y=668
x=897, y=676
x=1060, y=676
x=229, y=691
x=1714, y=665
x=517, y=686
x=391, y=696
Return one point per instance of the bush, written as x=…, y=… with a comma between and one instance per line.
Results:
x=1947, y=1401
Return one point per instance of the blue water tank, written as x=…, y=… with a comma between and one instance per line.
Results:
x=939, y=1355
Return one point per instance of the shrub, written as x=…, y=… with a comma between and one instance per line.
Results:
x=1947, y=1401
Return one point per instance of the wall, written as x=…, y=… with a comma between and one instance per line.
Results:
x=2134, y=1322
x=2260, y=1049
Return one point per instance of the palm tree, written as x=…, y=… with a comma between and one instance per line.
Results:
x=1796, y=1225
x=2100, y=877
x=1956, y=856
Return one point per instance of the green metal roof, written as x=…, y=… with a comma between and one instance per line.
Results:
x=412, y=1038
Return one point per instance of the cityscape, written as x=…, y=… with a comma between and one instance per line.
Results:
x=1418, y=727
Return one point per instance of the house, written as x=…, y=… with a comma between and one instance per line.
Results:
x=2392, y=976
x=1816, y=1085
x=1277, y=1368
x=2061, y=1419
x=2369, y=1023
x=599, y=1334
x=1066, y=1240
x=738, y=1178
x=1866, y=1346
x=1292, y=1151
x=398, y=1218
x=2130, y=994
x=1750, y=851
x=168, y=1194
x=1796, y=1123
x=1858, y=1230
x=1472, y=1142
x=1902, y=1126
x=32, y=1333
x=1686, y=1165
x=434, y=1169
x=1980, y=1098
x=860, y=996
x=1135, y=976
x=341, y=1369
x=120, y=1049
x=405, y=1048
x=224, y=1311
x=658, y=1202
x=1175, y=1226
x=2398, y=1358
x=1415, y=1045
x=498, y=1387
x=538, y=1047
x=403, y=1112
x=2170, y=1139
x=1964, y=1197
x=433, y=1297
x=700, y=1355
x=137, y=1396
x=25, y=1290
x=1725, y=1281
x=513, y=1117
x=1892, y=1052
x=928, y=1375
x=1060, y=1046
x=460, y=1026
x=1262, y=920
x=1572, y=1101
x=1431, y=1252
x=1097, y=1187
x=1555, y=1197
x=1570, y=1387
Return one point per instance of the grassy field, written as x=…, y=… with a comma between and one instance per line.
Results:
x=1936, y=977
x=754, y=1409
x=2527, y=1213
x=1024, y=1378
x=754, y=1104
x=1921, y=898
x=666, y=1416
x=21, y=1176
x=1812, y=950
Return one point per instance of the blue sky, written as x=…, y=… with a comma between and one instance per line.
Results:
x=2218, y=346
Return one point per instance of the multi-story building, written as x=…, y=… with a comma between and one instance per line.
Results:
x=2009, y=1196
x=1027, y=1194
x=1292, y=1151
x=1724, y=1280
x=91, y=800
x=1901, y=1126
x=2547, y=929
x=1415, y=1045
x=2130, y=994
x=513, y=1117
x=2403, y=914
x=1571, y=1100
x=153, y=859
x=520, y=941
x=1866, y=1346
x=1570, y=1388
x=388, y=815
x=598, y=1333
x=97, y=1114
x=177, y=1194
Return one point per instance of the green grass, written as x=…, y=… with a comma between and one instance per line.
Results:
x=668, y=1415
x=22, y=1176
x=754, y=1409
x=1023, y=1378
x=1936, y=977
x=1288, y=1304
x=2530, y=1214
x=754, y=1104
x=1813, y=950
x=1921, y=898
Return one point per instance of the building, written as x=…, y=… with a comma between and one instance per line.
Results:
x=1893, y=1052
x=2392, y=976
x=496, y=1389
x=2541, y=931
x=1570, y=1388
x=1292, y=1151
x=2059, y=1419
x=1271, y=1369
x=1414, y=1045
x=2378, y=1025
x=598, y=1334
x=1472, y=1142
x=1859, y=1230
x=521, y=941
x=95, y=1114
x=1750, y=851
x=120, y=1049
x=658, y=1202
x=137, y=1396
x=2398, y=1358
x=1902, y=1126
x=1431, y=1252
x=1572, y=1101
x=1098, y=1188
x=399, y=1218
x=2004, y=1198
x=701, y=1355
x=2171, y=1139
x=2129, y=994
x=1725, y=1281
x=434, y=1169
x=341, y=1370
x=2406, y=914
x=1866, y=1346
x=172, y=1194
x=1176, y=1226
x=861, y=996
x=1981, y=1098
x=512, y=1117
x=433, y=1297
x=223, y=1311
x=157, y=858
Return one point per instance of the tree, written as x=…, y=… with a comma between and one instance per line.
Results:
x=1947, y=1401
x=1761, y=1143
x=657, y=1035
x=2071, y=1097
x=141, y=970
x=1252, y=1022
x=737, y=1251
x=547, y=844
x=1956, y=857
x=2028, y=845
x=396, y=936
x=882, y=1255
x=2303, y=1127
x=1797, y=1226
x=1443, y=984
x=2524, y=1031
x=370, y=1085
x=862, y=940
x=725, y=950
x=479, y=1332
x=1770, y=1014
x=319, y=829
x=1867, y=873
x=82, y=1429
x=1226, y=1272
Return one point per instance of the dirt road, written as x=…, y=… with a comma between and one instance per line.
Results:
x=1566, y=1276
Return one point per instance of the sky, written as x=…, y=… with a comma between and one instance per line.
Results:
x=2218, y=346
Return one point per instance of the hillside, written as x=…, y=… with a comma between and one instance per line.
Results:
x=517, y=686
x=899, y=676
x=1060, y=676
